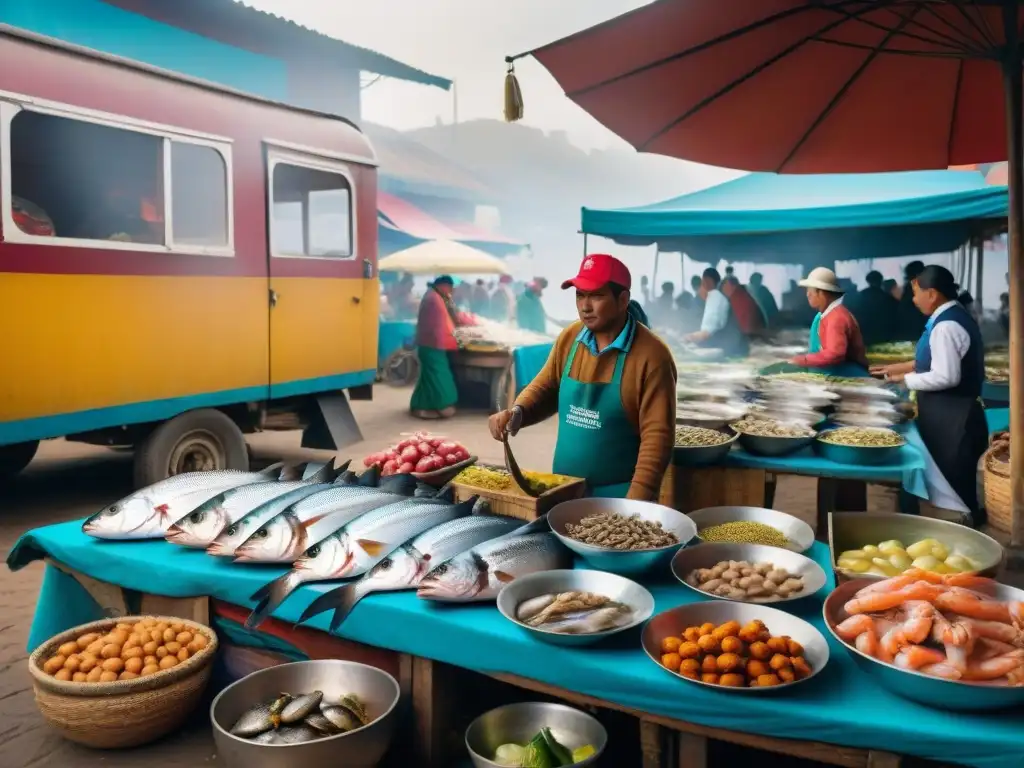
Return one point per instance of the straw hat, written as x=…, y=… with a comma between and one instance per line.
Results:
x=822, y=278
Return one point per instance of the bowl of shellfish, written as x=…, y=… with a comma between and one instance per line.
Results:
x=748, y=573
x=122, y=682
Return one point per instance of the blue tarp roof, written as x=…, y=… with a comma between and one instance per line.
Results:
x=790, y=219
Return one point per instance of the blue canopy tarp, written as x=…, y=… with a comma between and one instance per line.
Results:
x=771, y=218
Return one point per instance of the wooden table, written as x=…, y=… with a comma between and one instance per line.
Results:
x=484, y=378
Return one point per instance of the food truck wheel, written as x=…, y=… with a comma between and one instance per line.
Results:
x=14, y=458
x=195, y=441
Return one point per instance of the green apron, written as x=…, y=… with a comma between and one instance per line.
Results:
x=846, y=370
x=814, y=344
x=596, y=439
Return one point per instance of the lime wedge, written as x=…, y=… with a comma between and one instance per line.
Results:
x=582, y=753
x=510, y=755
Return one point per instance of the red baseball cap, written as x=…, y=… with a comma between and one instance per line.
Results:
x=597, y=270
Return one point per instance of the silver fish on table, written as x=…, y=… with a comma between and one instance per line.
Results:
x=589, y=621
x=357, y=546
x=480, y=573
x=200, y=528
x=406, y=566
x=261, y=718
x=573, y=613
x=299, y=707
x=148, y=512
x=292, y=531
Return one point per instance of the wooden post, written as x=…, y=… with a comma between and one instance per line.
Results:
x=1013, y=82
x=979, y=271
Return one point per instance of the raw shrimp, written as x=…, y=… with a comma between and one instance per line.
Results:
x=993, y=630
x=883, y=601
x=943, y=670
x=867, y=642
x=912, y=631
x=963, y=602
x=998, y=666
x=853, y=627
x=987, y=648
x=917, y=656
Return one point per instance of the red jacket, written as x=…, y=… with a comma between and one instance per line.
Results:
x=435, y=327
x=841, y=341
x=748, y=314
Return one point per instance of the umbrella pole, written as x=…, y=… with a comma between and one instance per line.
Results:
x=979, y=271
x=1013, y=82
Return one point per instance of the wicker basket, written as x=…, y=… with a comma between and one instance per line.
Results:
x=998, y=502
x=124, y=713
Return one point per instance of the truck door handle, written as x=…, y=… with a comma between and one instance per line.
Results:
x=273, y=297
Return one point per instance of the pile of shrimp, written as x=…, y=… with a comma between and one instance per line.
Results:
x=946, y=626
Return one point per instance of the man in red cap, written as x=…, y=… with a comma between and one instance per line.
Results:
x=612, y=384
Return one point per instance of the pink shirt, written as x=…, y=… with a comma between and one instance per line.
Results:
x=841, y=341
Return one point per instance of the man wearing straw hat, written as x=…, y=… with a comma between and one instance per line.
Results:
x=836, y=345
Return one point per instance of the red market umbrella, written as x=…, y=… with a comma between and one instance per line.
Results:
x=815, y=86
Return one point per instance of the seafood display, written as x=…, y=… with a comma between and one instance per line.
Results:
x=358, y=545
x=130, y=650
x=298, y=718
x=573, y=613
x=542, y=751
x=767, y=427
x=740, y=580
x=699, y=437
x=421, y=452
x=480, y=573
x=891, y=558
x=495, y=479
x=863, y=437
x=735, y=657
x=406, y=566
x=744, y=532
x=945, y=626
x=489, y=333
x=201, y=527
x=615, y=531
x=149, y=512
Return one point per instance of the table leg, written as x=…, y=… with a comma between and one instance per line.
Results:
x=883, y=760
x=838, y=495
x=652, y=737
x=691, y=751
x=430, y=714
x=771, y=482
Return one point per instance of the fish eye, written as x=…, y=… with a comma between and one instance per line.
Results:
x=262, y=533
x=313, y=551
x=441, y=570
x=196, y=517
x=112, y=510
x=386, y=563
x=231, y=530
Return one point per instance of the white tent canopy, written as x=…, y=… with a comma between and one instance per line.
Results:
x=443, y=257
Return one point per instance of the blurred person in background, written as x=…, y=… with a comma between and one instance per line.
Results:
x=893, y=288
x=462, y=295
x=503, y=301
x=875, y=310
x=910, y=320
x=530, y=312
x=719, y=328
x=435, y=395
x=764, y=298
x=698, y=302
x=480, y=300
x=1004, y=313
x=836, y=345
x=645, y=291
x=748, y=313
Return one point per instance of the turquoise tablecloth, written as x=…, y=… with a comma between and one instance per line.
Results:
x=909, y=471
x=841, y=706
x=528, y=362
x=995, y=393
x=392, y=335
x=998, y=419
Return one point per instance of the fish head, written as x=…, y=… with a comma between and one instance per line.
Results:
x=329, y=559
x=402, y=568
x=460, y=578
x=229, y=539
x=131, y=514
x=267, y=543
x=200, y=526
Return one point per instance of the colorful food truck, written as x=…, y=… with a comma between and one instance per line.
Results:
x=180, y=264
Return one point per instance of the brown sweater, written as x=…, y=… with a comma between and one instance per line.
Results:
x=648, y=397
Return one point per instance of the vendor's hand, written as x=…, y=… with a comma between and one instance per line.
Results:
x=879, y=370
x=895, y=378
x=505, y=422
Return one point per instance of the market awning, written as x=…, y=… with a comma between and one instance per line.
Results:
x=412, y=225
x=443, y=257
x=769, y=218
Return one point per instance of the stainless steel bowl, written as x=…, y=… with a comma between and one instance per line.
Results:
x=362, y=748
x=630, y=562
x=519, y=723
x=799, y=533
x=702, y=455
x=931, y=691
x=861, y=455
x=610, y=585
x=853, y=530
x=760, y=445
x=674, y=621
x=710, y=554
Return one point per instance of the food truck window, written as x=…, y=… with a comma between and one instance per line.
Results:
x=93, y=182
x=199, y=195
x=312, y=212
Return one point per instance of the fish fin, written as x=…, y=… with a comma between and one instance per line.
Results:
x=274, y=470
x=341, y=600
x=503, y=577
x=343, y=467
x=370, y=478
x=482, y=506
x=540, y=525
x=292, y=472
x=273, y=594
x=446, y=494
x=261, y=593
x=465, y=508
x=325, y=474
x=348, y=477
x=402, y=485
x=313, y=520
x=371, y=547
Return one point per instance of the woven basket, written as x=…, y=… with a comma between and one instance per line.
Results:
x=998, y=501
x=124, y=713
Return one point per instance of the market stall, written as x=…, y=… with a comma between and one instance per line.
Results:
x=495, y=362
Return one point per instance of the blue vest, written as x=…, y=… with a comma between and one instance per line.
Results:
x=972, y=367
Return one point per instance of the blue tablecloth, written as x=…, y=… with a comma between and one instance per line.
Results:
x=998, y=419
x=841, y=706
x=995, y=393
x=392, y=335
x=528, y=362
x=909, y=472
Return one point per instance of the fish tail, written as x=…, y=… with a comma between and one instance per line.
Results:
x=341, y=600
x=271, y=596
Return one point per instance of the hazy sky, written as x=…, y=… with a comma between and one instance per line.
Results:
x=465, y=41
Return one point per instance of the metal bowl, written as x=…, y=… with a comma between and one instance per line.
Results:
x=610, y=585
x=853, y=530
x=675, y=620
x=630, y=562
x=702, y=455
x=799, y=533
x=362, y=748
x=519, y=723
x=710, y=554
x=954, y=695
x=860, y=455
x=760, y=445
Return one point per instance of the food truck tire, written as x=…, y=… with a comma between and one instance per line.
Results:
x=205, y=439
x=14, y=458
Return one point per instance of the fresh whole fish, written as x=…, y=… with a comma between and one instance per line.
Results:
x=357, y=546
x=573, y=613
x=148, y=512
x=589, y=621
x=480, y=573
x=199, y=528
x=261, y=718
x=298, y=708
x=295, y=734
x=284, y=538
x=406, y=566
